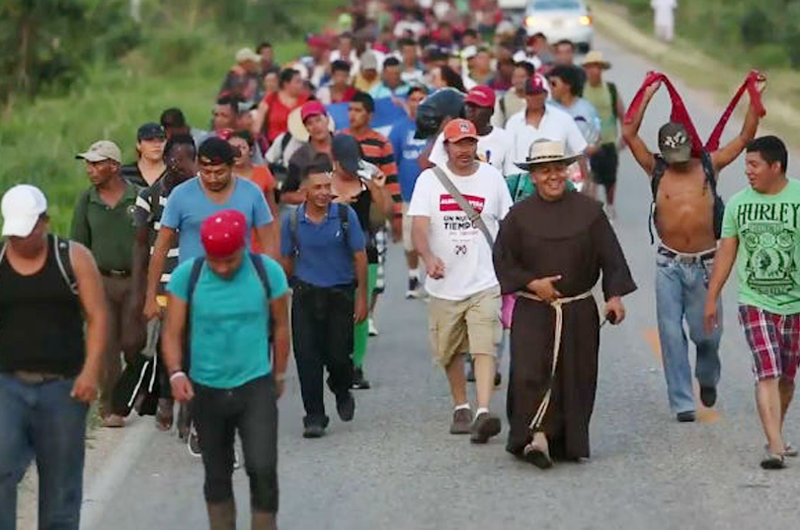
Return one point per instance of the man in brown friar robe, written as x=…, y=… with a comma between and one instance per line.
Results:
x=550, y=251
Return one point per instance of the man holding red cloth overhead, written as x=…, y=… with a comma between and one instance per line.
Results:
x=687, y=217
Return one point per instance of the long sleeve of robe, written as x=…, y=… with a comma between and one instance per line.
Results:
x=573, y=238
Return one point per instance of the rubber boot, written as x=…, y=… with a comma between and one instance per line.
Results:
x=221, y=515
x=263, y=521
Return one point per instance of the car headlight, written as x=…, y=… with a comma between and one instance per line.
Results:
x=531, y=21
x=585, y=20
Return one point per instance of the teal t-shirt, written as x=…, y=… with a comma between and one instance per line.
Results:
x=229, y=322
x=768, y=229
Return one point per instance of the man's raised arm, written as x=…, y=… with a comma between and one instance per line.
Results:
x=727, y=154
x=630, y=132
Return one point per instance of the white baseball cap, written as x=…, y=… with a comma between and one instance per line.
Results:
x=22, y=206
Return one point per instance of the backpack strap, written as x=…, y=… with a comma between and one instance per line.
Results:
x=612, y=90
x=61, y=251
x=258, y=263
x=708, y=169
x=344, y=221
x=194, y=277
x=294, y=220
x=655, y=180
x=474, y=217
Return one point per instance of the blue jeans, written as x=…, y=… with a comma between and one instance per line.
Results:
x=42, y=421
x=681, y=288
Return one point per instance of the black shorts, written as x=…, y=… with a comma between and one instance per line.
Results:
x=604, y=164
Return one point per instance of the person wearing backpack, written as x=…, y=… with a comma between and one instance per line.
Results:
x=49, y=366
x=605, y=98
x=229, y=299
x=687, y=214
x=323, y=250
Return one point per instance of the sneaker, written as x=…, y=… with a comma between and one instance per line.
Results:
x=772, y=461
x=413, y=288
x=113, y=421
x=193, y=443
x=313, y=430
x=708, y=395
x=484, y=427
x=686, y=417
x=359, y=383
x=346, y=406
x=373, y=331
x=462, y=422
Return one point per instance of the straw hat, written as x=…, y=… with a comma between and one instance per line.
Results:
x=596, y=57
x=545, y=152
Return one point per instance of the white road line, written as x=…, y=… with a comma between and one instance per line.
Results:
x=114, y=472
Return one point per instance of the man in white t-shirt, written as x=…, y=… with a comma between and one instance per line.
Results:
x=464, y=291
x=494, y=143
x=542, y=121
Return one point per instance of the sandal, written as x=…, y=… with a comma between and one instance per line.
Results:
x=772, y=461
x=788, y=450
x=537, y=456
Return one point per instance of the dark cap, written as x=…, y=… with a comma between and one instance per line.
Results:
x=535, y=85
x=151, y=131
x=346, y=150
x=215, y=151
x=675, y=143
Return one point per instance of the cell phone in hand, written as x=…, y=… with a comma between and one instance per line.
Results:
x=367, y=171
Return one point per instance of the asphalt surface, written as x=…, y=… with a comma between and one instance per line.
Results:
x=395, y=466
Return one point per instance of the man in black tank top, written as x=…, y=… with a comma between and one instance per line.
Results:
x=48, y=368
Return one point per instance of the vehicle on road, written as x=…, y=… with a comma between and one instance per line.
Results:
x=561, y=19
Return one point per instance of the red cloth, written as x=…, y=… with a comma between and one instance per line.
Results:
x=681, y=115
x=278, y=114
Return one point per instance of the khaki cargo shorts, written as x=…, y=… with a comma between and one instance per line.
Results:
x=408, y=243
x=465, y=326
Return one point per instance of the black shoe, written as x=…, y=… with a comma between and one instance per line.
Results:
x=359, y=383
x=346, y=406
x=313, y=431
x=708, y=395
x=498, y=379
x=484, y=427
x=686, y=417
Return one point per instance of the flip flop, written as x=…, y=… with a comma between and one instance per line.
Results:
x=772, y=461
x=535, y=455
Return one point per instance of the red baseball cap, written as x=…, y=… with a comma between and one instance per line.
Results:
x=317, y=41
x=223, y=233
x=311, y=108
x=459, y=129
x=481, y=96
x=535, y=85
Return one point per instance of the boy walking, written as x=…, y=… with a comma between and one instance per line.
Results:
x=761, y=236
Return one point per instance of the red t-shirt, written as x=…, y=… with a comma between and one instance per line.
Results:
x=278, y=114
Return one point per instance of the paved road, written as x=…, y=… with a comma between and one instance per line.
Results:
x=397, y=467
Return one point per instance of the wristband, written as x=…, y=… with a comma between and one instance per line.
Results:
x=176, y=375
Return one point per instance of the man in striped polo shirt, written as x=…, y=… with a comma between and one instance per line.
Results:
x=377, y=149
x=179, y=156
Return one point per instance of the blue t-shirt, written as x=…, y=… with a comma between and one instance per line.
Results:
x=188, y=207
x=407, y=149
x=586, y=117
x=325, y=259
x=229, y=321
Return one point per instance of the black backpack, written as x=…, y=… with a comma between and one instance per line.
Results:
x=294, y=219
x=711, y=180
x=194, y=276
x=63, y=260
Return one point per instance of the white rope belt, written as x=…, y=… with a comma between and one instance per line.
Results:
x=558, y=306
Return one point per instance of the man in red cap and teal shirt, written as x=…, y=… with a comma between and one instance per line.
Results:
x=229, y=299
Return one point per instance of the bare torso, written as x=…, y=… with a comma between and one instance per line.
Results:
x=685, y=204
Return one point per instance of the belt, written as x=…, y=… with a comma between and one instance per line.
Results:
x=114, y=273
x=683, y=257
x=35, y=378
x=558, y=305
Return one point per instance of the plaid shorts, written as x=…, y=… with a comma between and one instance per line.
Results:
x=774, y=341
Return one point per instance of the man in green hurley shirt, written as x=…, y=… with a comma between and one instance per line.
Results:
x=761, y=236
x=103, y=222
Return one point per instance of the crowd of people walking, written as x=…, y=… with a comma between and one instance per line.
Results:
x=193, y=274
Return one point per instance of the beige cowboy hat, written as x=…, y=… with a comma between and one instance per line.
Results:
x=596, y=57
x=546, y=152
x=298, y=130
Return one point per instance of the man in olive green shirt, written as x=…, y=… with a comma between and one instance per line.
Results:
x=103, y=222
